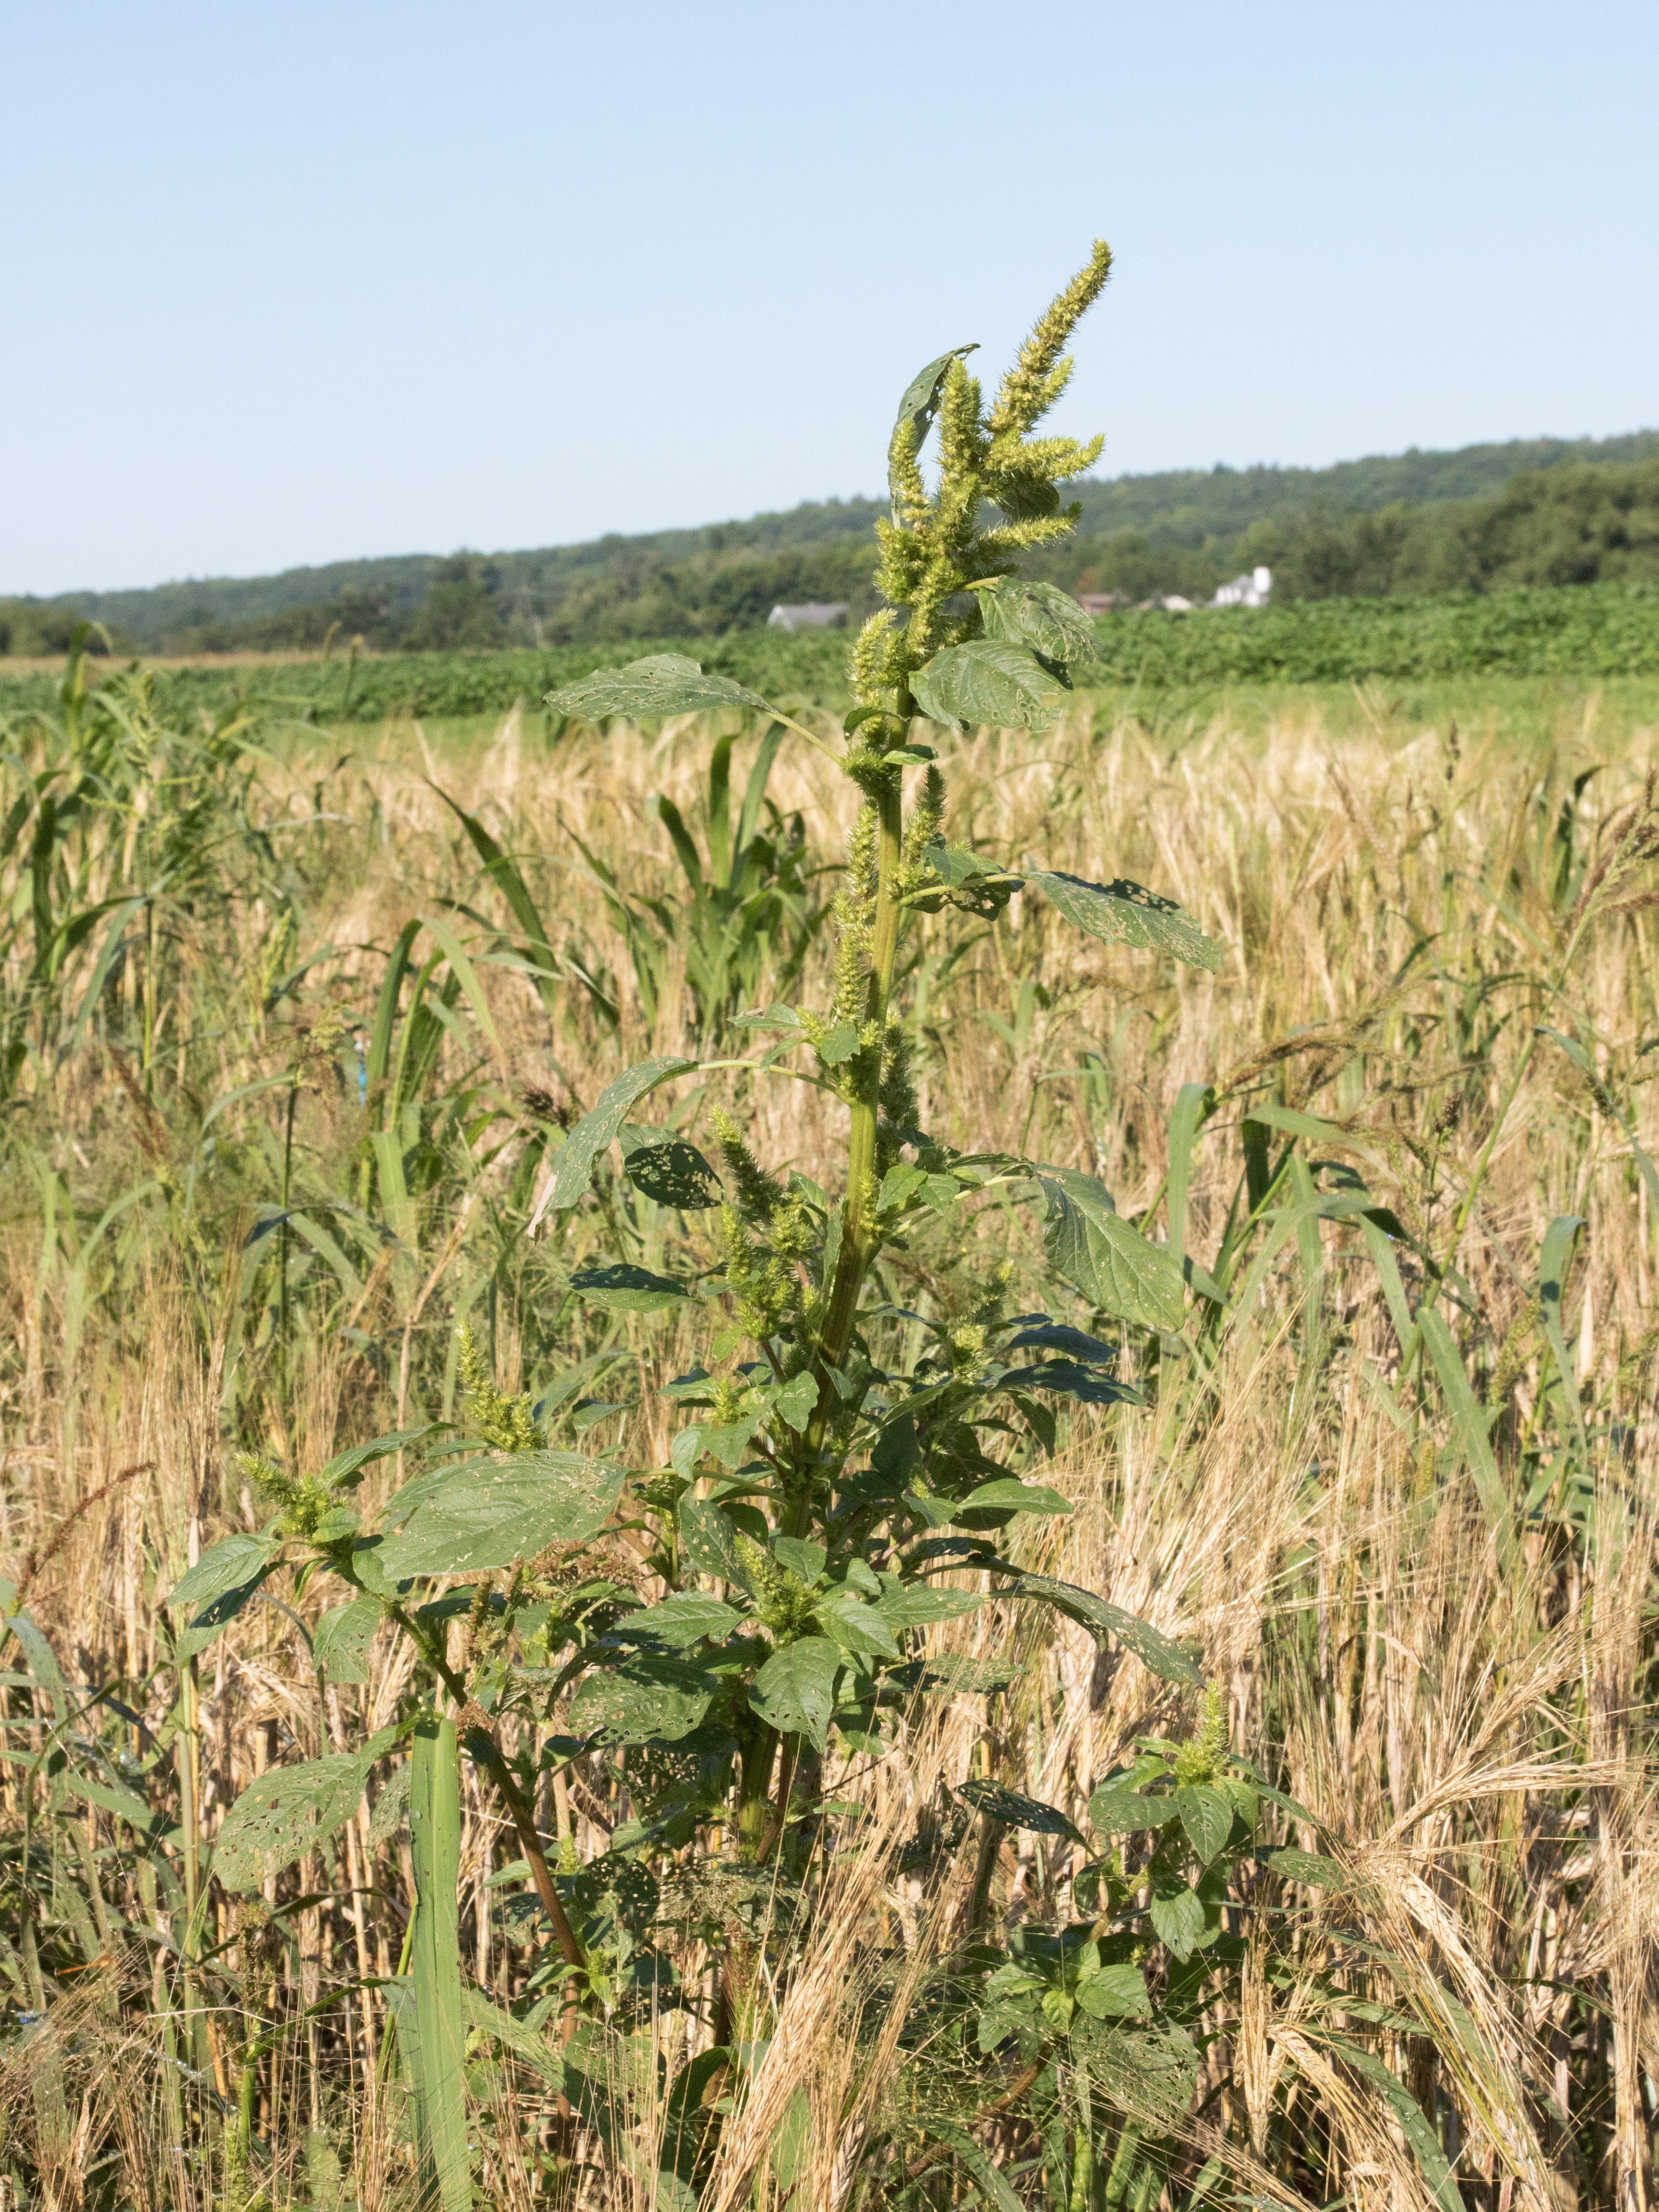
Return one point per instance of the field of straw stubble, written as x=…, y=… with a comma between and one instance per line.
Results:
x=251, y=1196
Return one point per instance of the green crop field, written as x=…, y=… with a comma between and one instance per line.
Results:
x=756, y=1455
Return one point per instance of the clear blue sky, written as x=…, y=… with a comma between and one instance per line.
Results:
x=293, y=282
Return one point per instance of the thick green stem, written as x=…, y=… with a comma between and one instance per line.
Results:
x=754, y=1791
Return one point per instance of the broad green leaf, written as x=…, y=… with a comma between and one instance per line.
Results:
x=796, y=1401
x=1149, y=2072
x=1116, y=1993
x=1207, y=1816
x=224, y=1566
x=1178, y=1917
x=290, y=1810
x=1122, y=912
x=573, y=1164
x=801, y=1556
x=914, y=1605
x=1115, y=1811
x=795, y=1691
x=621, y=1288
x=706, y=1537
x=644, y=1700
x=516, y=2035
x=1015, y=1810
x=1155, y=1650
x=1041, y=616
x=668, y=1169
x=1059, y=1336
x=791, y=2146
x=1413, y=2125
x=728, y=1441
x=679, y=1621
x=660, y=683
x=488, y=1514
x=920, y=404
x=340, y=1641
x=1009, y=1495
x=1309, y=1867
x=838, y=1045
x=1114, y=1267
x=1003, y=685
x=348, y=1466
x=856, y=1627
x=1071, y=1379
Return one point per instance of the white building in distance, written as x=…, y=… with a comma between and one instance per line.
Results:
x=1249, y=591
x=812, y=614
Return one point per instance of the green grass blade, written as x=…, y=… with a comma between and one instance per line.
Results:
x=435, y=1968
x=1469, y=1426
x=1555, y=1265
x=1192, y=1104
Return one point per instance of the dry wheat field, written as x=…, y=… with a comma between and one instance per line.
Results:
x=294, y=1026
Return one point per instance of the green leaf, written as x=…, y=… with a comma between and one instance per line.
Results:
x=660, y=683
x=1013, y=1810
x=1178, y=1917
x=838, y=1045
x=1413, y=2125
x=1160, y=1653
x=621, y=1288
x=1122, y=912
x=801, y=1556
x=856, y=1627
x=975, y=2162
x=488, y=1514
x=707, y=1539
x=1309, y=1867
x=1116, y=1993
x=347, y=1467
x=913, y=1604
x=1469, y=1427
x=646, y=1700
x=1003, y=685
x=795, y=1691
x=1073, y=1380
x=440, y=2074
x=229, y=1564
x=920, y=403
x=668, y=1169
x=1207, y=1817
x=1009, y=1495
x=1059, y=1336
x=1041, y=615
x=796, y=1400
x=1149, y=2072
x=680, y=1620
x=340, y=1641
x=1114, y=1267
x=573, y=1164
x=1115, y=1811
x=290, y=1810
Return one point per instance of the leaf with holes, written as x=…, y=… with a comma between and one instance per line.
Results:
x=648, y=1700
x=231, y=1563
x=1178, y=1917
x=1115, y=1811
x=1013, y=1810
x=340, y=1641
x=1122, y=912
x=573, y=1162
x=668, y=1169
x=1207, y=1817
x=488, y=1514
x=795, y=1691
x=290, y=1810
x=1041, y=616
x=1003, y=685
x=1155, y=1650
x=662, y=684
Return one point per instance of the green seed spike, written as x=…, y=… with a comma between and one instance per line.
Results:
x=435, y=1964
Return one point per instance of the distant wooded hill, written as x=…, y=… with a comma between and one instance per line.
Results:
x=1533, y=511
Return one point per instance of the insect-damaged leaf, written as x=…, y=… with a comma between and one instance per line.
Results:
x=1015, y=1810
x=795, y=1691
x=920, y=404
x=662, y=684
x=340, y=1641
x=284, y=1813
x=1207, y=1817
x=488, y=1514
x=1004, y=685
x=1161, y=1653
x=1122, y=912
x=645, y=1699
x=1114, y=1267
x=668, y=1169
x=573, y=1164
x=1116, y=1811
x=1041, y=616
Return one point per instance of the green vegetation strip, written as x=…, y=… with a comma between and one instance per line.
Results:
x=1583, y=630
